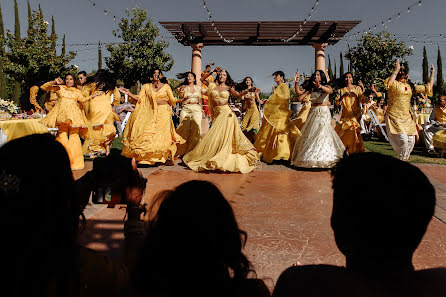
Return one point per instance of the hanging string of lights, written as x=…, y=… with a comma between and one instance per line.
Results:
x=106, y=11
x=214, y=26
x=310, y=15
x=384, y=23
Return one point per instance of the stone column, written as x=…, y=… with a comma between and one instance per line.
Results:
x=196, y=60
x=319, y=56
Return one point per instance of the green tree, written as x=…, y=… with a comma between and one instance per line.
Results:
x=29, y=16
x=140, y=51
x=341, y=66
x=17, y=83
x=99, y=55
x=425, y=66
x=373, y=57
x=53, y=33
x=31, y=60
x=440, y=88
x=3, y=79
x=63, y=46
x=330, y=70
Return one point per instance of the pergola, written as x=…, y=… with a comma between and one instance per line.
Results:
x=318, y=34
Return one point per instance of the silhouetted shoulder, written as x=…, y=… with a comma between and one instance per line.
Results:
x=429, y=282
x=250, y=287
x=312, y=280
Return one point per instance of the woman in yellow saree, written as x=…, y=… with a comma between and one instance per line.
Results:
x=150, y=135
x=277, y=134
x=224, y=147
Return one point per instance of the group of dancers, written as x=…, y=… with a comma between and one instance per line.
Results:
x=150, y=137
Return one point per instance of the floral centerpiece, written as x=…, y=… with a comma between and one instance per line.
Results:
x=7, y=109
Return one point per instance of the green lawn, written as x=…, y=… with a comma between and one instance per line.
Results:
x=419, y=153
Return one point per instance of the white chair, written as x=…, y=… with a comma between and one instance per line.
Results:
x=3, y=138
x=374, y=122
x=124, y=122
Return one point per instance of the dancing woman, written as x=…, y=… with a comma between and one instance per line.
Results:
x=277, y=135
x=100, y=116
x=191, y=113
x=150, y=135
x=400, y=125
x=224, y=147
x=251, y=119
x=67, y=116
x=350, y=97
x=319, y=146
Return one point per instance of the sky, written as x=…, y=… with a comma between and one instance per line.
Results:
x=82, y=22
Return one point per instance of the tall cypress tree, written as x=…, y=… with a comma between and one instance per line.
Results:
x=335, y=70
x=99, y=55
x=330, y=70
x=16, y=91
x=440, y=80
x=29, y=16
x=53, y=34
x=341, y=66
x=3, y=82
x=63, y=46
x=425, y=66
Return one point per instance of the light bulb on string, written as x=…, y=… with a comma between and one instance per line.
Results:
x=105, y=12
x=419, y=3
x=114, y=18
x=408, y=10
x=398, y=16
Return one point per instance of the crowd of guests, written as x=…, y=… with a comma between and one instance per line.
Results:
x=192, y=244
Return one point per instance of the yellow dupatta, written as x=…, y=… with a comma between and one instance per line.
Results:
x=276, y=110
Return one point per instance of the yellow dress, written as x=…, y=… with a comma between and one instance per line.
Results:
x=399, y=116
x=348, y=127
x=277, y=134
x=190, y=120
x=68, y=117
x=150, y=135
x=251, y=120
x=100, y=119
x=224, y=147
x=439, y=138
x=301, y=118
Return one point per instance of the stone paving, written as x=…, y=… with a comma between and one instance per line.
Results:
x=285, y=212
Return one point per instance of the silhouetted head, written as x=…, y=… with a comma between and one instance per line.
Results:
x=192, y=236
x=41, y=214
x=385, y=222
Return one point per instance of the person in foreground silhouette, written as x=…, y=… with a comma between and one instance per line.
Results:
x=40, y=224
x=378, y=235
x=194, y=247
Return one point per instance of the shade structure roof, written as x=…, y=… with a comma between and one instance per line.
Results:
x=259, y=33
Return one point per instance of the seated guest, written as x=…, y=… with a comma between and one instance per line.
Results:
x=40, y=226
x=435, y=123
x=372, y=102
x=378, y=235
x=194, y=246
x=122, y=110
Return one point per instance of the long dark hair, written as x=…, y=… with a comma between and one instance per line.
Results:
x=310, y=87
x=184, y=75
x=193, y=225
x=404, y=73
x=105, y=79
x=243, y=85
x=229, y=82
x=41, y=217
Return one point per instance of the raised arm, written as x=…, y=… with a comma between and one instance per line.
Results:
x=242, y=93
x=132, y=96
x=394, y=73
x=170, y=97
x=297, y=89
x=302, y=97
x=52, y=86
x=205, y=76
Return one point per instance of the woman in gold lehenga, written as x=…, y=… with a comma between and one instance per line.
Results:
x=67, y=116
x=191, y=113
x=277, y=134
x=100, y=115
x=150, y=135
x=251, y=119
x=224, y=147
x=348, y=128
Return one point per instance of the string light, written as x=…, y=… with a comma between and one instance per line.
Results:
x=213, y=24
x=304, y=23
